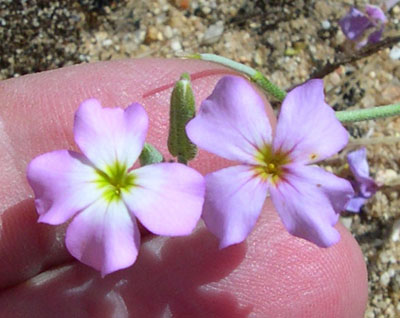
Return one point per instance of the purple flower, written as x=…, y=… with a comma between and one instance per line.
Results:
x=355, y=23
x=105, y=193
x=364, y=186
x=233, y=124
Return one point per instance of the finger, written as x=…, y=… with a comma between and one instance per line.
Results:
x=272, y=274
x=67, y=88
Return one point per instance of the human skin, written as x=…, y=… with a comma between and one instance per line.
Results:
x=271, y=274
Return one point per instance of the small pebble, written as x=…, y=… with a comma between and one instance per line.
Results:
x=168, y=33
x=213, y=33
x=152, y=34
x=386, y=176
x=107, y=42
x=395, y=53
x=395, y=235
x=335, y=78
x=206, y=10
x=346, y=221
x=258, y=58
x=176, y=45
x=326, y=24
x=385, y=279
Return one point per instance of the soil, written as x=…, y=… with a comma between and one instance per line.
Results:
x=287, y=40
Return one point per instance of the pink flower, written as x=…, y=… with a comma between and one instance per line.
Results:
x=233, y=124
x=355, y=23
x=364, y=186
x=105, y=194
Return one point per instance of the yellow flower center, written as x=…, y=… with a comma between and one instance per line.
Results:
x=270, y=164
x=113, y=180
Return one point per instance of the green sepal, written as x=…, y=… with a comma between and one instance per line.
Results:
x=182, y=110
x=150, y=155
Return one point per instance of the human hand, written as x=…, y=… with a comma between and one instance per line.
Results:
x=271, y=274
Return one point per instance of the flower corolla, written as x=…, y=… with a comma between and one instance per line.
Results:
x=232, y=123
x=105, y=193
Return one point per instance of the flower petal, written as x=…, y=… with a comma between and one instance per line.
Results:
x=233, y=202
x=308, y=202
x=354, y=24
x=358, y=165
x=375, y=13
x=106, y=135
x=374, y=37
x=307, y=127
x=338, y=190
x=63, y=185
x=167, y=198
x=232, y=121
x=104, y=236
x=355, y=204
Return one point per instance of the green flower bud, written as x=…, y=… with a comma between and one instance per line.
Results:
x=182, y=110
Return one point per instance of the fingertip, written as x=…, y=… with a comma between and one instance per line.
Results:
x=26, y=247
x=280, y=275
x=285, y=276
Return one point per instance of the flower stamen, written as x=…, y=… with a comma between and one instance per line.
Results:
x=114, y=180
x=270, y=164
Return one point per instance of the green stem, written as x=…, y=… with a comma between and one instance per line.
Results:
x=267, y=86
x=254, y=75
x=348, y=116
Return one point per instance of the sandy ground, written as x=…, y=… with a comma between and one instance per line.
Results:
x=287, y=40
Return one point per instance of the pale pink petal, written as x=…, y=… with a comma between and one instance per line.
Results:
x=364, y=186
x=307, y=127
x=167, y=198
x=354, y=24
x=358, y=163
x=233, y=202
x=308, y=201
x=338, y=190
x=374, y=37
x=375, y=13
x=355, y=204
x=63, y=183
x=232, y=122
x=106, y=135
x=104, y=236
